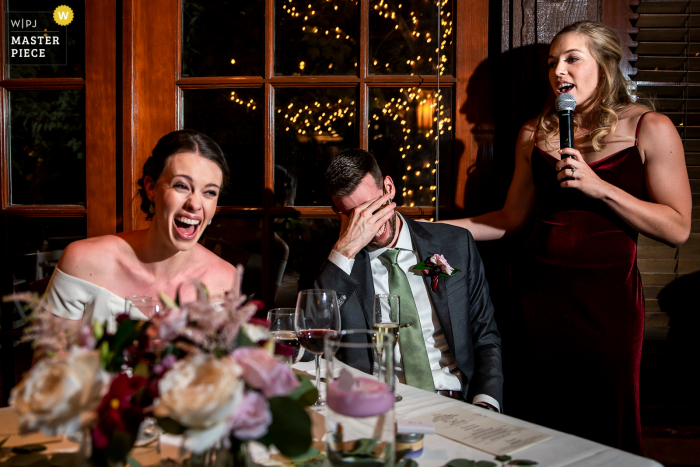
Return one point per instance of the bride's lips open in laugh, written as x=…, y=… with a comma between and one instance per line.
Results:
x=186, y=227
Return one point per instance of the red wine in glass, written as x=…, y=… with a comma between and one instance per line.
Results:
x=317, y=315
x=312, y=339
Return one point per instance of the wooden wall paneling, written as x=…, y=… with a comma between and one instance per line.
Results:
x=472, y=99
x=128, y=180
x=4, y=152
x=101, y=116
x=268, y=181
x=617, y=14
x=154, y=71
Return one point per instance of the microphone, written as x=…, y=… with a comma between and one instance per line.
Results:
x=565, y=105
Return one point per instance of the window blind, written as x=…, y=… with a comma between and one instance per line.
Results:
x=666, y=56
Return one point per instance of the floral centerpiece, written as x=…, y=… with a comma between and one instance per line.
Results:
x=206, y=371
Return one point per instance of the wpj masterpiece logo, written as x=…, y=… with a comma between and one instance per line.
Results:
x=36, y=38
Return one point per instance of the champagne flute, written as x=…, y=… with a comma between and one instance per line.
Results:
x=317, y=315
x=386, y=320
x=282, y=329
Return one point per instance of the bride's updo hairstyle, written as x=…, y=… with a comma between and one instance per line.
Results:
x=612, y=92
x=175, y=143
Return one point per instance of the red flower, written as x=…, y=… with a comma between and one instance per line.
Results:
x=118, y=410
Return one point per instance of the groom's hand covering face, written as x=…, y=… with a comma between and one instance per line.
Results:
x=367, y=216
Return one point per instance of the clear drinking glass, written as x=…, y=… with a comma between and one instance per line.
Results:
x=282, y=329
x=144, y=303
x=360, y=407
x=317, y=315
x=149, y=430
x=386, y=319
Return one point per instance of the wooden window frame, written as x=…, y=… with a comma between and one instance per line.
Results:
x=152, y=85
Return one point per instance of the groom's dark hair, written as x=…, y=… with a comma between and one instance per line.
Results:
x=346, y=170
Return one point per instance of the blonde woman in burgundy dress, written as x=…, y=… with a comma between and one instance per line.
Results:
x=576, y=358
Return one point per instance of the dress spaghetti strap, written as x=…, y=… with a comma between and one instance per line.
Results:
x=639, y=124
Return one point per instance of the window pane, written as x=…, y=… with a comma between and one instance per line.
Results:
x=223, y=37
x=312, y=124
x=63, y=60
x=238, y=241
x=403, y=37
x=402, y=137
x=316, y=37
x=308, y=243
x=47, y=147
x=234, y=119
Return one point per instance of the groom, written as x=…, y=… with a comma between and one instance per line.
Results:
x=452, y=345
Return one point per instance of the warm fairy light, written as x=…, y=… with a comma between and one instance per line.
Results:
x=302, y=65
x=233, y=61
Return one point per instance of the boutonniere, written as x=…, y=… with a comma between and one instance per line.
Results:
x=436, y=266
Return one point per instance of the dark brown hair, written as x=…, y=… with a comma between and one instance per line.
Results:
x=346, y=170
x=175, y=143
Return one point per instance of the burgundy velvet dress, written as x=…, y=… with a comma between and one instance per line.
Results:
x=582, y=309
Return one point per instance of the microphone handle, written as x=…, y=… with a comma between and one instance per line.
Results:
x=566, y=130
x=566, y=133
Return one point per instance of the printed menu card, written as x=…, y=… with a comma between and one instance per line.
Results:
x=481, y=432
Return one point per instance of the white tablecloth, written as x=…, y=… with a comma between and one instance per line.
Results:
x=560, y=450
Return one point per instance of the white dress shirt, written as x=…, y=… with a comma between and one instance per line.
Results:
x=446, y=375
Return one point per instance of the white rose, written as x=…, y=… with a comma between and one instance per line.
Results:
x=256, y=333
x=60, y=396
x=201, y=392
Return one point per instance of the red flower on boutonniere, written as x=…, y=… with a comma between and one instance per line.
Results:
x=436, y=266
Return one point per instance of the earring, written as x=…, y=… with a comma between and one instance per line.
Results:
x=152, y=208
x=209, y=222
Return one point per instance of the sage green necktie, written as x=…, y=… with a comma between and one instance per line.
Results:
x=416, y=365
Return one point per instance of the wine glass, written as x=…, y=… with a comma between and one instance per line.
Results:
x=386, y=319
x=144, y=303
x=282, y=329
x=317, y=315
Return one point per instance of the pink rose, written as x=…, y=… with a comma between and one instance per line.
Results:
x=442, y=262
x=264, y=372
x=252, y=417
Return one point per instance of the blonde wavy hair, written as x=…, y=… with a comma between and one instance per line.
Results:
x=612, y=92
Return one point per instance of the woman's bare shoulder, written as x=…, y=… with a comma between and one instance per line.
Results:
x=92, y=258
x=220, y=275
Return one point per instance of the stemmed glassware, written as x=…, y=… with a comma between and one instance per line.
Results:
x=282, y=329
x=144, y=303
x=386, y=320
x=317, y=315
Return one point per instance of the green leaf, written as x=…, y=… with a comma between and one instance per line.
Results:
x=306, y=393
x=170, y=426
x=167, y=301
x=503, y=458
x=461, y=463
x=407, y=463
x=522, y=462
x=485, y=464
x=421, y=266
x=132, y=462
x=363, y=447
x=244, y=341
x=291, y=426
x=309, y=454
x=401, y=454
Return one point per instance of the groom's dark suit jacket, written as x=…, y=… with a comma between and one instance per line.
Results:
x=461, y=302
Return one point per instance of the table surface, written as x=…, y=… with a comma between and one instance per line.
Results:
x=561, y=450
